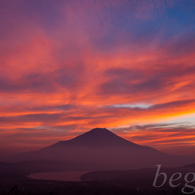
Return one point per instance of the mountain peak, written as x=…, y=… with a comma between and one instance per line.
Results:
x=99, y=129
x=98, y=138
x=99, y=132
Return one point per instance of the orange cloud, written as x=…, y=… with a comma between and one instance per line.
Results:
x=67, y=67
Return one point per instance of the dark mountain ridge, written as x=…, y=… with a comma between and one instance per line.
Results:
x=99, y=138
x=100, y=149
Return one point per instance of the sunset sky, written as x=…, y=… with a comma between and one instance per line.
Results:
x=67, y=66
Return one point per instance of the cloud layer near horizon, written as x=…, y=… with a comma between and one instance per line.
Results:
x=69, y=66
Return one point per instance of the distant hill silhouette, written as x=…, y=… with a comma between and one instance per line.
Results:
x=190, y=166
x=145, y=175
x=100, y=149
x=27, y=167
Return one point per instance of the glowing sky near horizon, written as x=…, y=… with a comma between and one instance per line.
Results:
x=67, y=66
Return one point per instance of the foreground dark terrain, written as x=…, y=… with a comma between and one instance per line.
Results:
x=131, y=182
x=26, y=186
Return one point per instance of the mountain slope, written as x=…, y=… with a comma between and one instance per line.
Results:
x=99, y=138
x=100, y=149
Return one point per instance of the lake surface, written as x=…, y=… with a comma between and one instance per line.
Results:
x=59, y=176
